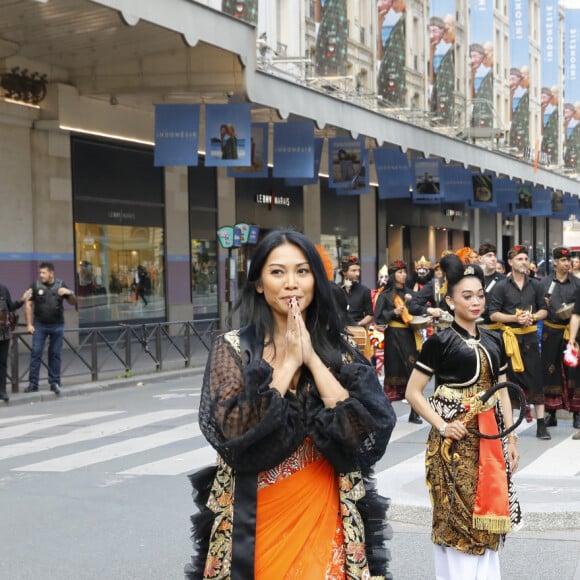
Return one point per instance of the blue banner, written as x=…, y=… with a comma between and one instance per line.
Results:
x=482, y=191
x=299, y=182
x=228, y=132
x=572, y=90
x=563, y=206
x=346, y=167
x=294, y=150
x=506, y=192
x=458, y=183
x=393, y=173
x=360, y=184
x=519, y=77
x=542, y=206
x=176, y=135
x=427, y=185
x=550, y=94
x=524, y=203
x=258, y=155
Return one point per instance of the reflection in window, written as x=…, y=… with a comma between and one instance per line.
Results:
x=339, y=247
x=119, y=273
x=204, y=278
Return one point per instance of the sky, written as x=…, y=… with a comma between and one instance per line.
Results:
x=570, y=3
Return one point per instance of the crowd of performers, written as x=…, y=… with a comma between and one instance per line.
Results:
x=497, y=327
x=537, y=319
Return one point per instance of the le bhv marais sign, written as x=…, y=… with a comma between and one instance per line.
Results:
x=272, y=199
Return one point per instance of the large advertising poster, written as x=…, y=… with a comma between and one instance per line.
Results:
x=242, y=9
x=571, y=126
x=550, y=93
x=442, y=61
x=481, y=63
x=519, y=77
x=391, y=51
x=332, y=38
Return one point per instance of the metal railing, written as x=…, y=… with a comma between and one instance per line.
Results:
x=91, y=354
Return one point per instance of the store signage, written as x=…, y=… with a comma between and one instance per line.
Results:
x=225, y=236
x=266, y=199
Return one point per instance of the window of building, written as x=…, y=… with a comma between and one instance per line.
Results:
x=339, y=232
x=119, y=273
x=119, y=232
x=203, y=233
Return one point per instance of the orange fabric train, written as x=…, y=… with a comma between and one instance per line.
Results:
x=296, y=522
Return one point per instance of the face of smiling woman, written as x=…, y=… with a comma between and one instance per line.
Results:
x=286, y=274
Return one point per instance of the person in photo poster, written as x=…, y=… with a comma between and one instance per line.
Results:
x=391, y=81
x=229, y=142
x=572, y=154
x=442, y=94
x=482, y=89
x=436, y=31
x=550, y=119
x=520, y=125
x=482, y=188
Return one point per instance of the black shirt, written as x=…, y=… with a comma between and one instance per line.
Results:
x=425, y=298
x=506, y=297
x=490, y=283
x=359, y=303
x=562, y=292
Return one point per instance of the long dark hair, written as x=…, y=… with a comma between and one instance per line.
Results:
x=322, y=315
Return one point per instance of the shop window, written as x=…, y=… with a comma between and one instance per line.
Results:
x=204, y=278
x=119, y=273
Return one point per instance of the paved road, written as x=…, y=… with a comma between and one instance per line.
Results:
x=95, y=486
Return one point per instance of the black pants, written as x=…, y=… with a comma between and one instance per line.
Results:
x=4, y=348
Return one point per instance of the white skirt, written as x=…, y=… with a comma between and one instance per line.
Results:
x=451, y=564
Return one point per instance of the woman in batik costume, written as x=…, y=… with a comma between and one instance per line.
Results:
x=474, y=503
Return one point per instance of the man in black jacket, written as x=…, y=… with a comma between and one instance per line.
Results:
x=47, y=295
x=7, y=321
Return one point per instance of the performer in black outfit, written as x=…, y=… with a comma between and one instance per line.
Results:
x=517, y=302
x=488, y=262
x=402, y=343
x=560, y=290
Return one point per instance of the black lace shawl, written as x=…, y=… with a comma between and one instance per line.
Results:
x=254, y=428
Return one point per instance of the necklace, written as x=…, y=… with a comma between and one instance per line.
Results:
x=472, y=341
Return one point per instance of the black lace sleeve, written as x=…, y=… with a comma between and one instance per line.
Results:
x=250, y=425
x=353, y=434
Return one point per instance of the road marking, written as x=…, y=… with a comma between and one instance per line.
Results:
x=561, y=460
x=97, y=431
x=178, y=464
x=20, y=430
x=115, y=450
x=20, y=419
x=399, y=481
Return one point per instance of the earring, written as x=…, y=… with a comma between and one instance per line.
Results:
x=452, y=307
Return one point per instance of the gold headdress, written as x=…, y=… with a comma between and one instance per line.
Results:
x=384, y=271
x=423, y=263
